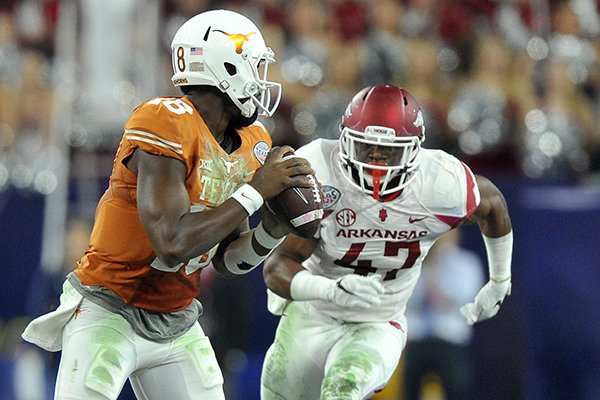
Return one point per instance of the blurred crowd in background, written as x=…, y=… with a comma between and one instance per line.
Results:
x=512, y=87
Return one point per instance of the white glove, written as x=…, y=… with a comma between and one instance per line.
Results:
x=355, y=291
x=487, y=302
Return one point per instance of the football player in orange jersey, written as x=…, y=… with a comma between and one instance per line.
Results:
x=187, y=174
x=342, y=295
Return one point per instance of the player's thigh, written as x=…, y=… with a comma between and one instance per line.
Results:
x=363, y=361
x=294, y=364
x=97, y=357
x=190, y=371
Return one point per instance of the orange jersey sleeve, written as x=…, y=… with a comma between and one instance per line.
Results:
x=120, y=256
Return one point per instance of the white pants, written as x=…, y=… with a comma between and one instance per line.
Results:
x=100, y=351
x=315, y=357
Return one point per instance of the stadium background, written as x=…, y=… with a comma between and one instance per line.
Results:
x=511, y=87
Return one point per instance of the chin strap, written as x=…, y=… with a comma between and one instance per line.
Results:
x=242, y=122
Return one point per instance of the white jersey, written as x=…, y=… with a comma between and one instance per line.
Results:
x=391, y=238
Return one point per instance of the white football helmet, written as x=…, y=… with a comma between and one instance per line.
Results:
x=382, y=131
x=225, y=49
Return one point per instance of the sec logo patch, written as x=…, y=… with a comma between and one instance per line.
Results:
x=345, y=217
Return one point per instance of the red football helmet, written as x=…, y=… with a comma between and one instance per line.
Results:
x=382, y=131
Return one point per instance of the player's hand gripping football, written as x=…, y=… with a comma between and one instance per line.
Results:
x=355, y=291
x=279, y=173
x=487, y=302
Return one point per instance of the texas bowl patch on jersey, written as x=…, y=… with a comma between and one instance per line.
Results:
x=261, y=151
x=331, y=196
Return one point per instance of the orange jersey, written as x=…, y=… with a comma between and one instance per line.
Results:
x=120, y=256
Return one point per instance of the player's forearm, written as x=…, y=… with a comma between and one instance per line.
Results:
x=499, y=255
x=497, y=234
x=278, y=274
x=249, y=250
x=194, y=234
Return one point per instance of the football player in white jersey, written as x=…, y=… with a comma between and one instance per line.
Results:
x=342, y=295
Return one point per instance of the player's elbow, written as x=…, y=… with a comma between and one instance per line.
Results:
x=171, y=260
x=170, y=254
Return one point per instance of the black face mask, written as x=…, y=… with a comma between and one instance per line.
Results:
x=232, y=140
x=242, y=122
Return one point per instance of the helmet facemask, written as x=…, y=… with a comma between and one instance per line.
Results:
x=257, y=91
x=387, y=172
x=268, y=95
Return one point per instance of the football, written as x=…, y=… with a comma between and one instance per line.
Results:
x=301, y=209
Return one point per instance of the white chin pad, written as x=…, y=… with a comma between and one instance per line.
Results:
x=248, y=105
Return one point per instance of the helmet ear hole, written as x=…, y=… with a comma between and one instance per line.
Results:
x=231, y=69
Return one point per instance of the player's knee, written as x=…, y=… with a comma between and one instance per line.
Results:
x=341, y=387
x=344, y=382
x=199, y=350
x=352, y=376
x=107, y=372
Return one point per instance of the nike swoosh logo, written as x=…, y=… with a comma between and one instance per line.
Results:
x=339, y=284
x=244, y=266
x=412, y=220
